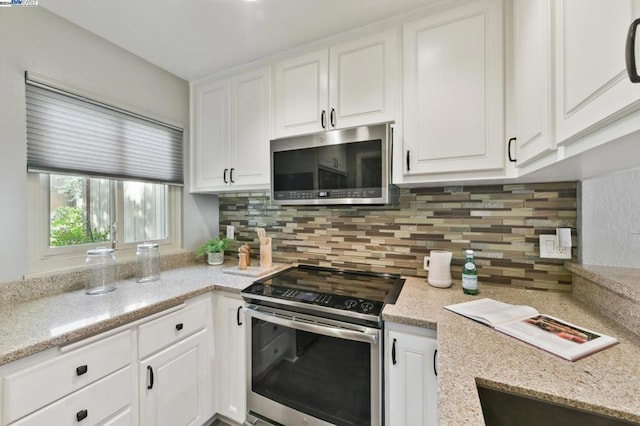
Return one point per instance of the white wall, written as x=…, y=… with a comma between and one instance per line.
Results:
x=610, y=211
x=40, y=42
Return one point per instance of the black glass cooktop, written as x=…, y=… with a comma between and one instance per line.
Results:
x=327, y=291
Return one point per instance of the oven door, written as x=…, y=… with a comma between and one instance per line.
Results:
x=306, y=370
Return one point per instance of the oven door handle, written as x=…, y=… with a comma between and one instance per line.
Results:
x=370, y=336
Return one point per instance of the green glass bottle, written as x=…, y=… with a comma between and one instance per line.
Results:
x=469, y=274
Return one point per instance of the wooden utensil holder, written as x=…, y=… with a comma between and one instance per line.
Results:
x=265, y=253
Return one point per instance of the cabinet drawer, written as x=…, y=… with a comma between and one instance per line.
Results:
x=35, y=387
x=171, y=328
x=88, y=406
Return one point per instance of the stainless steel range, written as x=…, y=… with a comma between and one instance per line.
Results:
x=315, y=346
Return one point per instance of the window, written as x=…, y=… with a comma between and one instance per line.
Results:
x=82, y=210
x=99, y=176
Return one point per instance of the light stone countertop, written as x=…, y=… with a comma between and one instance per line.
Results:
x=36, y=325
x=468, y=352
x=605, y=382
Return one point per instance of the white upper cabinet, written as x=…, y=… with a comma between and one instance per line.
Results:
x=532, y=79
x=363, y=81
x=348, y=85
x=230, y=141
x=249, y=150
x=301, y=95
x=210, y=138
x=454, y=91
x=592, y=86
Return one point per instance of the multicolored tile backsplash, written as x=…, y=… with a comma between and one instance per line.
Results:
x=501, y=223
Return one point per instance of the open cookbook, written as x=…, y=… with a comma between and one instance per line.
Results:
x=525, y=323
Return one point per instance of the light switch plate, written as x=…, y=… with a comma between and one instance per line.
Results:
x=230, y=231
x=549, y=248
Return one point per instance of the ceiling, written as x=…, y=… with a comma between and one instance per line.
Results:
x=196, y=38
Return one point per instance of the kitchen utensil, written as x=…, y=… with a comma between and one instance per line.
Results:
x=147, y=262
x=262, y=235
x=438, y=263
x=101, y=271
x=265, y=252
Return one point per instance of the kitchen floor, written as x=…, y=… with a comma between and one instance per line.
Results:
x=219, y=422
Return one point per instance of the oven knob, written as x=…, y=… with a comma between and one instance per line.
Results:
x=350, y=304
x=366, y=306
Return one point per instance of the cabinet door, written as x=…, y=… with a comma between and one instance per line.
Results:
x=453, y=90
x=363, y=81
x=249, y=144
x=174, y=384
x=591, y=81
x=412, y=386
x=532, y=39
x=231, y=385
x=301, y=94
x=210, y=146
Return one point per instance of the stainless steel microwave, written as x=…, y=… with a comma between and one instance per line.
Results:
x=347, y=166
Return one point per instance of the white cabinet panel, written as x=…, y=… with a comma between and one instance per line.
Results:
x=231, y=385
x=88, y=406
x=230, y=143
x=590, y=75
x=533, y=97
x=174, y=388
x=210, y=149
x=411, y=382
x=301, y=95
x=250, y=128
x=362, y=80
x=453, y=90
x=164, y=331
x=347, y=85
x=49, y=381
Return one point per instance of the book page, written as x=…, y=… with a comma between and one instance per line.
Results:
x=556, y=336
x=492, y=312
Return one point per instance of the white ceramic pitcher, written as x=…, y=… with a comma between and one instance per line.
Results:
x=438, y=263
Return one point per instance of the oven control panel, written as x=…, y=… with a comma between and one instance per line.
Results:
x=335, y=301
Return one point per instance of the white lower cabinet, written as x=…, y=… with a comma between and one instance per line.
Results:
x=174, y=389
x=154, y=371
x=175, y=381
x=411, y=387
x=92, y=405
x=230, y=341
x=88, y=382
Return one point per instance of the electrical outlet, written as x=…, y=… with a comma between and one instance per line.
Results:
x=549, y=248
x=231, y=231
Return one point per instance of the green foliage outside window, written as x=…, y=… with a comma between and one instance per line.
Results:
x=68, y=228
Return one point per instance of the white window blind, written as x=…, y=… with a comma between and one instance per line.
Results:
x=67, y=133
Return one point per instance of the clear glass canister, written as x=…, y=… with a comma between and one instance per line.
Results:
x=100, y=271
x=147, y=262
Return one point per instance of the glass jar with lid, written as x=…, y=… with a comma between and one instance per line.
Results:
x=100, y=266
x=147, y=262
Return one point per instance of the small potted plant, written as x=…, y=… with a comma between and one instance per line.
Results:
x=214, y=249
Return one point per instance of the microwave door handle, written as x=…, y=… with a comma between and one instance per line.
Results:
x=325, y=330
